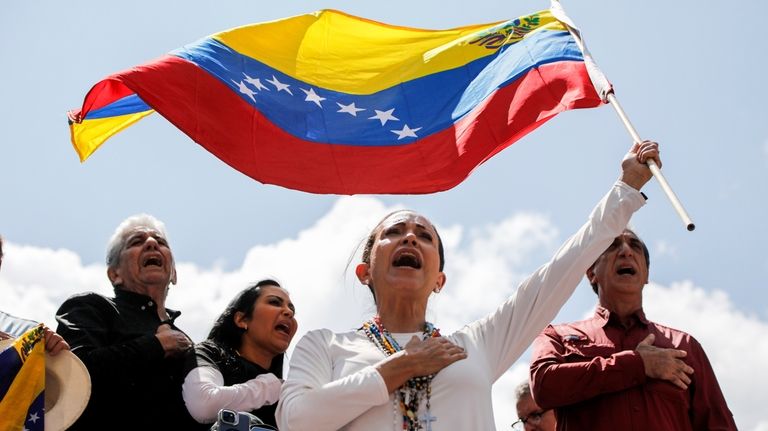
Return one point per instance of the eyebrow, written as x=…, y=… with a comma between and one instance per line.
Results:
x=290, y=304
x=402, y=223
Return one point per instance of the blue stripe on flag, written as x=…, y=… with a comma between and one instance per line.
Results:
x=431, y=103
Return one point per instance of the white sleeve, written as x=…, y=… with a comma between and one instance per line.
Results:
x=311, y=399
x=204, y=393
x=507, y=332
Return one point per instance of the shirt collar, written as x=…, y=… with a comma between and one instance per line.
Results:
x=603, y=315
x=143, y=302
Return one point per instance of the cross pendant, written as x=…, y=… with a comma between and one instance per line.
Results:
x=427, y=420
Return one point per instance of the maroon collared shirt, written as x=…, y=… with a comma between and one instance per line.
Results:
x=590, y=373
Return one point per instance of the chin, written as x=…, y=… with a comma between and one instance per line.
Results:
x=281, y=348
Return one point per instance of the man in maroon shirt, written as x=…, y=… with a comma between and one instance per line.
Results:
x=620, y=371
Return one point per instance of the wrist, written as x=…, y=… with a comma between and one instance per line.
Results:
x=635, y=181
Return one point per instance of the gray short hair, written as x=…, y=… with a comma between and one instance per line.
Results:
x=117, y=241
x=522, y=390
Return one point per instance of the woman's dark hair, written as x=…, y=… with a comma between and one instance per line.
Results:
x=224, y=331
x=228, y=335
x=368, y=246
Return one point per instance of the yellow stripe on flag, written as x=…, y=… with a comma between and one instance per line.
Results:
x=341, y=52
x=88, y=136
x=29, y=381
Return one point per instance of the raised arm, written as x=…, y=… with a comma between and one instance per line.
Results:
x=508, y=331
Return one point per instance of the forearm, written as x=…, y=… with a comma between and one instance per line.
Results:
x=395, y=370
x=332, y=405
x=510, y=330
x=204, y=393
x=558, y=384
x=122, y=361
x=550, y=286
x=314, y=398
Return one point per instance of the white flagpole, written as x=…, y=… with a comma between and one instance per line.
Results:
x=655, y=170
x=605, y=91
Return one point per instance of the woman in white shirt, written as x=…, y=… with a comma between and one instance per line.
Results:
x=396, y=371
x=240, y=366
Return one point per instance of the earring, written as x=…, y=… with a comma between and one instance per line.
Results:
x=436, y=290
x=246, y=328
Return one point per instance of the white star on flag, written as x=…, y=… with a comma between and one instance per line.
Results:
x=33, y=418
x=350, y=109
x=279, y=85
x=313, y=97
x=256, y=82
x=406, y=132
x=384, y=116
x=245, y=89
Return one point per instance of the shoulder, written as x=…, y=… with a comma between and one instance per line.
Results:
x=326, y=339
x=211, y=354
x=680, y=339
x=209, y=347
x=87, y=299
x=323, y=334
x=571, y=330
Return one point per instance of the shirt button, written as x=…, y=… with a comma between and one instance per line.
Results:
x=151, y=303
x=143, y=307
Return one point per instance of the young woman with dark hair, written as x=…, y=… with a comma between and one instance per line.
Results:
x=240, y=365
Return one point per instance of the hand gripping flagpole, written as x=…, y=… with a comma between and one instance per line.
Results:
x=605, y=91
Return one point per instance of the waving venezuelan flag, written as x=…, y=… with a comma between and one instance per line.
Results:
x=331, y=103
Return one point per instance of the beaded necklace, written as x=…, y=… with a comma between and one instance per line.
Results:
x=409, y=395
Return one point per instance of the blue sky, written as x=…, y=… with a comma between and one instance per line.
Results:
x=690, y=76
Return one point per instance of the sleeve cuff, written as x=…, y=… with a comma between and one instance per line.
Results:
x=151, y=345
x=632, y=367
x=382, y=395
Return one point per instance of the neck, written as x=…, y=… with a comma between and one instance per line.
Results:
x=158, y=294
x=255, y=354
x=622, y=309
x=402, y=317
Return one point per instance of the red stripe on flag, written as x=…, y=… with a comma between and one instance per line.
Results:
x=102, y=94
x=224, y=124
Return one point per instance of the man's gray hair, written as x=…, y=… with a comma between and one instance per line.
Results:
x=522, y=390
x=117, y=241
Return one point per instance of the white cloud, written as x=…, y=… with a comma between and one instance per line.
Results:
x=483, y=265
x=734, y=341
x=664, y=249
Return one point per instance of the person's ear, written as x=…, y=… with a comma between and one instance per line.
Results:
x=441, y=278
x=363, y=273
x=114, y=276
x=173, y=273
x=240, y=320
x=591, y=275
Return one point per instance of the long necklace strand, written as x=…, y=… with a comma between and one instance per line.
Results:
x=409, y=395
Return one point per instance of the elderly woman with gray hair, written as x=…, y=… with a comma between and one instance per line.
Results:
x=130, y=343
